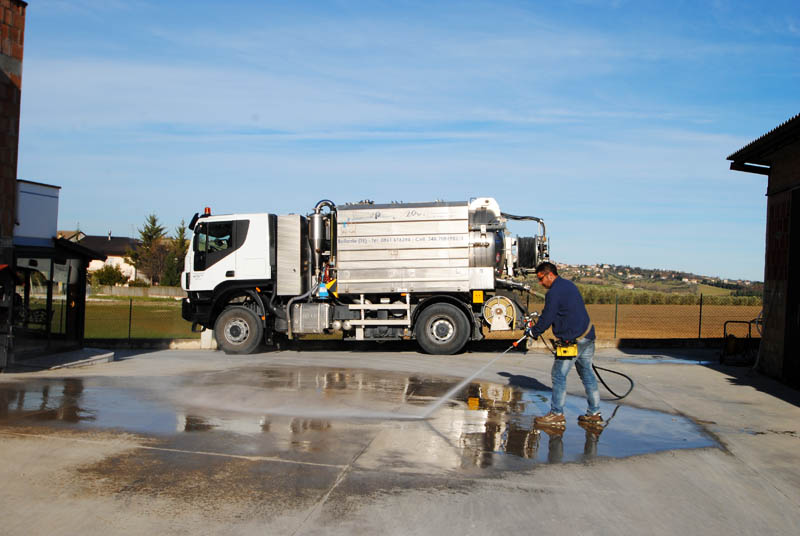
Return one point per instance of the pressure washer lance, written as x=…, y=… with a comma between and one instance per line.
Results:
x=529, y=323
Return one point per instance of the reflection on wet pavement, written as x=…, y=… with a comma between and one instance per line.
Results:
x=40, y=406
x=327, y=415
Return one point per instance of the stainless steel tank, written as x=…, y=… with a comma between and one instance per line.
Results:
x=417, y=247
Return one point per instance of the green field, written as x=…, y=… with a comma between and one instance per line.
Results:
x=149, y=319
x=708, y=290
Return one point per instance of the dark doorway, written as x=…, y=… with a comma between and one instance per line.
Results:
x=791, y=346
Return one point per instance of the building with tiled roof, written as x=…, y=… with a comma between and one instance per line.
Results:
x=776, y=155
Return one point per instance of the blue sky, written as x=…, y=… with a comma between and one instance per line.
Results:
x=609, y=119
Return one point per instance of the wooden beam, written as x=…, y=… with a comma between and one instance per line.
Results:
x=749, y=168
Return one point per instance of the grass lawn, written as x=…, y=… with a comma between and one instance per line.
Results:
x=149, y=319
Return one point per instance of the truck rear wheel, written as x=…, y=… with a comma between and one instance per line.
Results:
x=238, y=330
x=442, y=329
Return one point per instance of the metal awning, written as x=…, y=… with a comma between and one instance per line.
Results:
x=757, y=156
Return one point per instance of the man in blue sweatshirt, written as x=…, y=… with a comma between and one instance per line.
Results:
x=565, y=311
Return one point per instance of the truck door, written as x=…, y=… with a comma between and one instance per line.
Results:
x=213, y=261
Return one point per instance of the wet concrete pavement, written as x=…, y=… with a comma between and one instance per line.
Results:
x=317, y=414
x=331, y=442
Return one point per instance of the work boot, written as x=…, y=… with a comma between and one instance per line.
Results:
x=591, y=418
x=551, y=419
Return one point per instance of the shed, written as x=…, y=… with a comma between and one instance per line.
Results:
x=776, y=155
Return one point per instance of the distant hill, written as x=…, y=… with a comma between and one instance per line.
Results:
x=623, y=277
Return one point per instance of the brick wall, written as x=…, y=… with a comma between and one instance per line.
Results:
x=12, y=39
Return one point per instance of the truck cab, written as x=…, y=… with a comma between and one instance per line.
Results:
x=227, y=249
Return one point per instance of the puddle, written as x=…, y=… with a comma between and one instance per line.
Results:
x=323, y=415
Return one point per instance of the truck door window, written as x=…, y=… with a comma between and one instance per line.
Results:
x=213, y=241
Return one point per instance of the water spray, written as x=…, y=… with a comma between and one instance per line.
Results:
x=433, y=407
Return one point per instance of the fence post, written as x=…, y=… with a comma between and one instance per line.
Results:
x=700, y=324
x=616, y=309
x=130, y=318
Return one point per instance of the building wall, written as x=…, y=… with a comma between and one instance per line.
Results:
x=12, y=32
x=779, y=277
x=785, y=170
x=119, y=262
x=776, y=268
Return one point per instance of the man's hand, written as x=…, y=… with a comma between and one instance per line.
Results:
x=529, y=323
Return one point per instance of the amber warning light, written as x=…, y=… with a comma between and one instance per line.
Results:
x=207, y=211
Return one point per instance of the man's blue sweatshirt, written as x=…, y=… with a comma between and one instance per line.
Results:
x=565, y=311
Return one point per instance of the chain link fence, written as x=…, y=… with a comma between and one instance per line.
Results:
x=141, y=318
x=136, y=319
x=704, y=317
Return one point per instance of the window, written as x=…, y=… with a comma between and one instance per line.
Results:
x=31, y=294
x=213, y=241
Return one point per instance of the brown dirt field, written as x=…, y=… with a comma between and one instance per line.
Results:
x=669, y=321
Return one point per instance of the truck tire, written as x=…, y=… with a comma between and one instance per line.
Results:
x=442, y=329
x=238, y=330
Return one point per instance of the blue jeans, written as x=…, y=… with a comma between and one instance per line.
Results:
x=583, y=363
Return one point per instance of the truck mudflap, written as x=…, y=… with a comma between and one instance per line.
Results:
x=196, y=313
x=477, y=329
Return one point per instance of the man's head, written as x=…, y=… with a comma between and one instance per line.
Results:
x=546, y=273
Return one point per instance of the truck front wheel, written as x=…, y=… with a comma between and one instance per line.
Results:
x=238, y=330
x=442, y=329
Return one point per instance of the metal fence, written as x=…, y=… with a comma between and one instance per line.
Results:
x=136, y=319
x=703, y=320
x=161, y=319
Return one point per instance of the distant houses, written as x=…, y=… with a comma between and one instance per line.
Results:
x=114, y=248
x=628, y=273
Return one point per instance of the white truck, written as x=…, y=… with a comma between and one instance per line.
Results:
x=438, y=272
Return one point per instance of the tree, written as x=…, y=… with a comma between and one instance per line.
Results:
x=177, y=253
x=151, y=254
x=109, y=274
